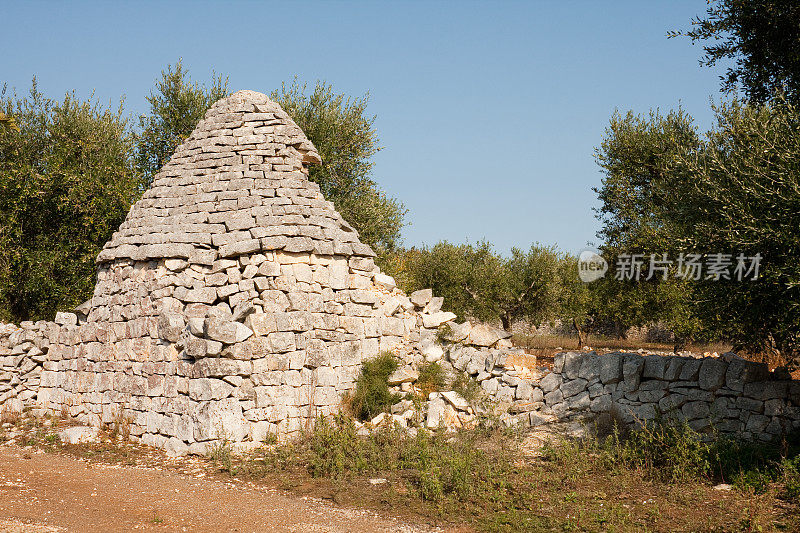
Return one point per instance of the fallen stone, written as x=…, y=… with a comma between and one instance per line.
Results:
x=384, y=281
x=421, y=298
x=458, y=332
x=437, y=319
x=436, y=408
x=485, y=335
x=456, y=400
x=79, y=435
x=405, y=374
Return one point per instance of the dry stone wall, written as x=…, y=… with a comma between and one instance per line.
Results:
x=726, y=394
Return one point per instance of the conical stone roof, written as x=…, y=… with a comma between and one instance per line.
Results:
x=237, y=185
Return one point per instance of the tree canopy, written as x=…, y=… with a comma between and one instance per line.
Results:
x=345, y=138
x=66, y=183
x=762, y=40
x=176, y=106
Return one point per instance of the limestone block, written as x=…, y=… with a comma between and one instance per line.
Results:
x=632, y=367
x=590, y=367
x=572, y=365
x=226, y=332
x=66, y=319
x=741, y=372
x=550, y=382
x=170, y=326
x=655, y=366
x=611, y=368
x=195, y=347
x=339, y=276
x=712, y=374
x=262, y=323
x=435, y=417
x=691, y=369
x=204, y=295
x=421, y=298
x=202, y=389
x=573, y=387
x=437, y=319
x=456, y=400
x=281, y=342
x=384, y=281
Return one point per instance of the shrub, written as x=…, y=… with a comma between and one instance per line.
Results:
x=431, y=378
x=372, y=395
x=667, y=450
x=467, y=387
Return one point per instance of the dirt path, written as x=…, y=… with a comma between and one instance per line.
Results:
x=50, y=492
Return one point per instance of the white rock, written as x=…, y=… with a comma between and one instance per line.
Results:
x=79, y=434
x=175, y=264
x=390, y=306
x=456, y=400
x=435, y=413
x=437, y=319
x=385, y=281
x=431, y=351
x=422, y=297
x=485, y=335
x=403, y=375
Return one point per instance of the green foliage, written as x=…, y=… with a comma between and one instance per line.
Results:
x=431, y=378
x=176, y=106
x=478, y=283
x=670, y=451
x=467, y=386
x=8, y=122
x=335, y=449
x=441, y=468
x=346, y=140
x=221, y=452
x=66, y=183
x=635, y=156
x=372, y=395
x=762, y=40
x=740, y=194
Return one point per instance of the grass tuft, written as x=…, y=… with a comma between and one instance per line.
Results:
x=372, y=395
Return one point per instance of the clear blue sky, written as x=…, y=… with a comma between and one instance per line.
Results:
x=488, y=112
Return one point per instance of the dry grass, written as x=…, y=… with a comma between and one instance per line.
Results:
x=470, y=481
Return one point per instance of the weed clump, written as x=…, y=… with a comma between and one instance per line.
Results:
x=431, y=378
x=372, y=395
x=467, y=387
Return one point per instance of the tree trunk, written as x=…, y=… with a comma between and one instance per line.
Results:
x=680, y=344
x=581, y=334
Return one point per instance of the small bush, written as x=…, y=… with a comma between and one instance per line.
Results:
x=221, y=453
x=431, y=378
x=467, y=387
x=791, y=478
x=670, y=451
x=372, y=395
